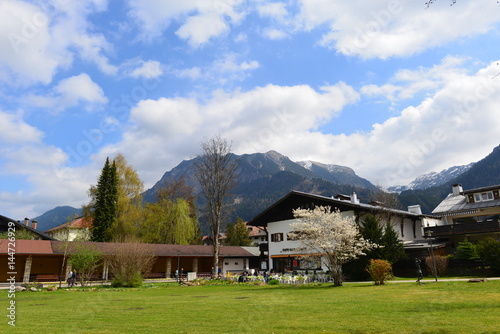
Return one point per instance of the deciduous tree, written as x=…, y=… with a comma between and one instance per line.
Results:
x=129, y=200
x=326, y=231
x=84, y=261
x=215, y=171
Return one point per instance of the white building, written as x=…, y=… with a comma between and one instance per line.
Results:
x=282, y=248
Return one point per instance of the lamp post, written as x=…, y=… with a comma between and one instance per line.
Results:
x=178, y=266
x=429, y=234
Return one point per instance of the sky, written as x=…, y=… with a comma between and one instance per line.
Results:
x=393, y=89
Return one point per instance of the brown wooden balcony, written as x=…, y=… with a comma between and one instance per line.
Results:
x=463, y=228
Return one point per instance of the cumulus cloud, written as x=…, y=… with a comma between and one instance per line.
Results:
x=381, y=29
x=148, y=69
x=13, y=129
x=38, y=40
x=70, y=92
x=405, y=84
x=448, y=128
x=24, y=156
x=25, y=41
x=172, y=129
x=199, y=20
x=437, y=133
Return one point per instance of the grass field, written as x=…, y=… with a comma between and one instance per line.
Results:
x=444, y=307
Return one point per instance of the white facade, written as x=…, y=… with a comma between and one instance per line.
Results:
x=234, y=265
x=280, y=246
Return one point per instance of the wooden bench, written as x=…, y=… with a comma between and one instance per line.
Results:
x=47, y=277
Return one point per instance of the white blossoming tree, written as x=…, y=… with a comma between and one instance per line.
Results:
x=326, y=231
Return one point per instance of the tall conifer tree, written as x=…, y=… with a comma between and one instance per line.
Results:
x=106, y=198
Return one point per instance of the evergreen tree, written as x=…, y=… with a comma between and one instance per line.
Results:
x=371, y=230
x=105, y=206
x=237, y=234
x=393, y=249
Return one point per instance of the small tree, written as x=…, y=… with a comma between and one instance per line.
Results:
x=379, y=270
x=237, y=234
x=467, y=250
x=84, y=261
x=441, y=264
x=129, y=262
x=489, y=253
x=330, y=233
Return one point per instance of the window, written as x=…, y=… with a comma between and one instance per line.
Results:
x=291, y=236
x=277, y=237
x=483, y=197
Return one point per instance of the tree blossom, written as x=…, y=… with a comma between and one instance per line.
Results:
x=335, y=236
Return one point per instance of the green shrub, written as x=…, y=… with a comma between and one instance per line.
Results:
x=379, y=270
x=273, y=282
x=467, y=250
x=133, y=281
x=489, y=253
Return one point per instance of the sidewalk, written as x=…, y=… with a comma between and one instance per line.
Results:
x=5, y=286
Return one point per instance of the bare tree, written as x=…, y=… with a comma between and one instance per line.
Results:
x=129, y=262
x=215, y=170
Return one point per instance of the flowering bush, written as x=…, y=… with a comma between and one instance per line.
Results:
x=379, y=270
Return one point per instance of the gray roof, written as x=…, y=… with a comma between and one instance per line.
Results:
x=457, y=204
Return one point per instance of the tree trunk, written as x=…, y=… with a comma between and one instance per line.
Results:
x=336, y=271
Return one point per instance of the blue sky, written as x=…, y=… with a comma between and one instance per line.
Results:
x=391, y=88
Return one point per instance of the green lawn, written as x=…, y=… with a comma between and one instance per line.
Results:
x=444, y=307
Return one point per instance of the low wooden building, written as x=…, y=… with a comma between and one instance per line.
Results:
x=42, y=260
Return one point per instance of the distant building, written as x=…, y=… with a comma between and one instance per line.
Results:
x=472, y=214
x=76, y=229
x=6, y=224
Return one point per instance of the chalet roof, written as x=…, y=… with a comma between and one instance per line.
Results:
x=58, y=247
x=161, y=249
x=457, y=204
x=4, y=221
x=77, y=223
x=283, y=208
x=482, y=189
x=27, y=246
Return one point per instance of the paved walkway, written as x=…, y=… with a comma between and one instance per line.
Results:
x=64, y=285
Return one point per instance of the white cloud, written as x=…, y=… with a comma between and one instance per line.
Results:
x=274, y=34
x=405, y=84
x=200, y=20
x=395, y=27
x=37, y=41
x=276, y=10
x=13, y=130
x=230, y=68
x=449, y=128
x=70, y=92
x=148, y=69
x=25, y=41
x=171, y=129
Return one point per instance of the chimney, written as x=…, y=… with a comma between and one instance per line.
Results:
x=34, y=224
x=354, y=198
x=457, y=189
x=416, y=209
x=26, y=221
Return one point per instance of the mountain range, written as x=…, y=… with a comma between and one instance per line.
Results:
x=433, y=179
x=263, y=178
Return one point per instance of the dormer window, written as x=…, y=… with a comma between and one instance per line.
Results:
x=483, y=197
